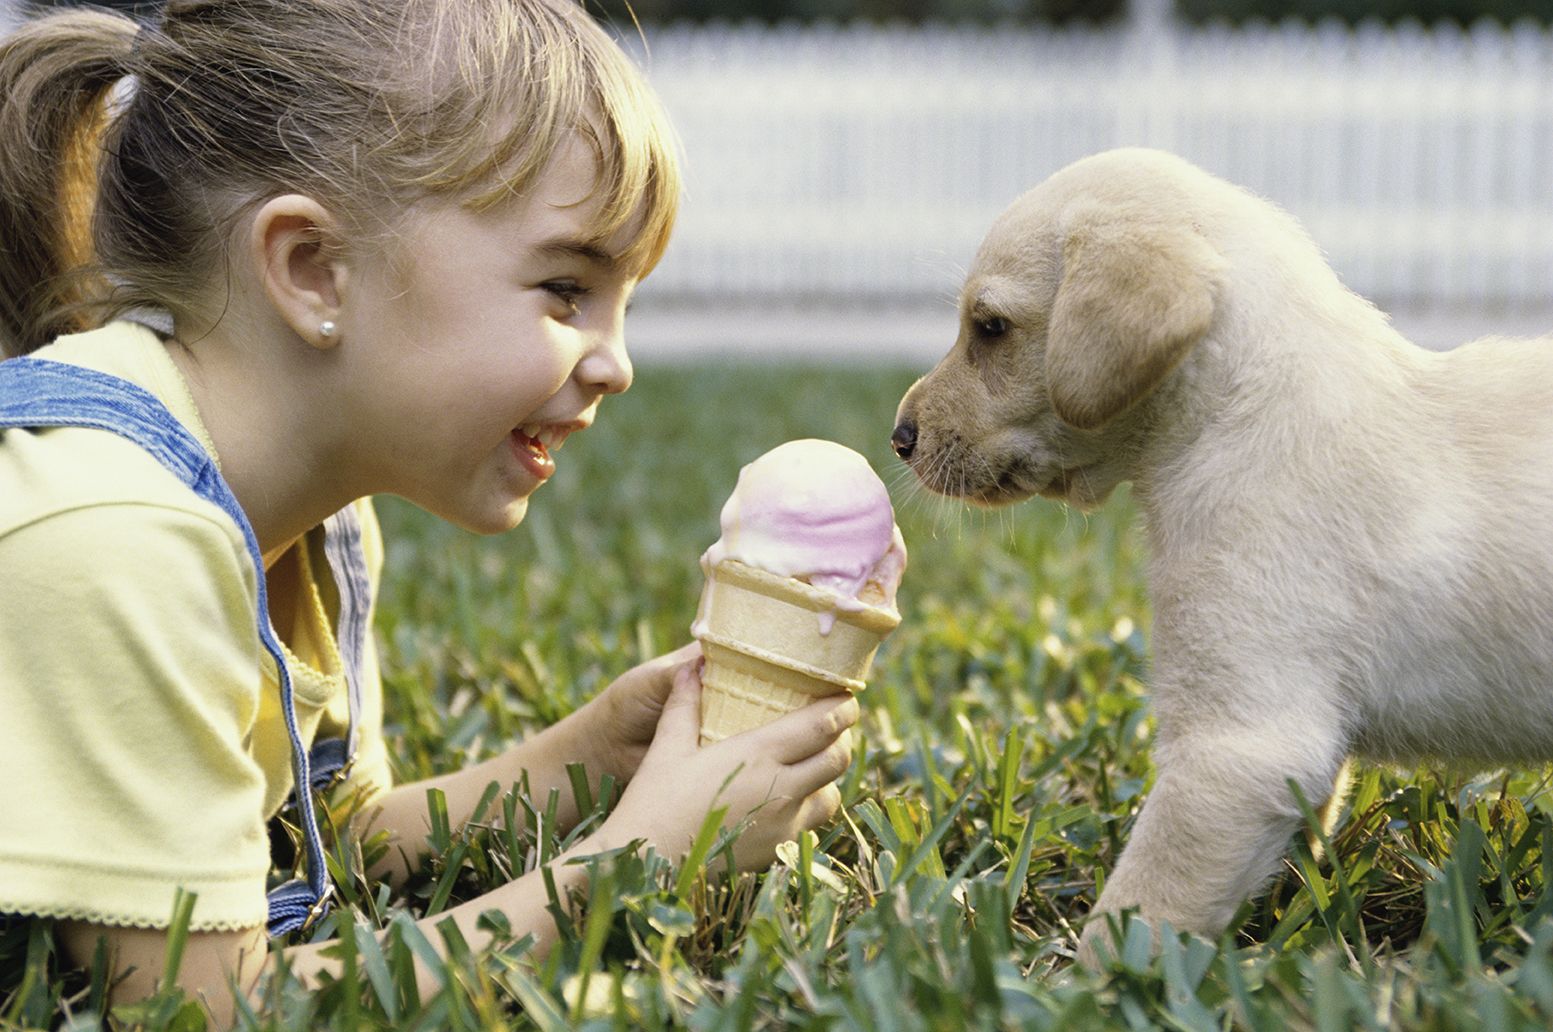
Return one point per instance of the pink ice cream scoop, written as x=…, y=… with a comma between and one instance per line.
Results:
x=800, y=588
x=815, y=511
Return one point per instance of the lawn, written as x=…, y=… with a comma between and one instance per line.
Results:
x=1003, y=754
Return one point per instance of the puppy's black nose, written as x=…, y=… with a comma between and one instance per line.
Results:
x=904, y=439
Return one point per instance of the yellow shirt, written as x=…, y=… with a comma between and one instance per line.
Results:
x=142, y=746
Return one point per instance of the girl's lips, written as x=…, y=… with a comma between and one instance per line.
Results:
x=532, y=453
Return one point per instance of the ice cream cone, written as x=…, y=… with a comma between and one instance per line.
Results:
x=768, y=650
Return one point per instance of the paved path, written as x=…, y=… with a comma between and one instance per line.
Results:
x=920, y=334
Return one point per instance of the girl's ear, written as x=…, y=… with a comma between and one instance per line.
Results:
x=295, y=245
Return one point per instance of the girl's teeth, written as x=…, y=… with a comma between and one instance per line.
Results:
x=548, y=437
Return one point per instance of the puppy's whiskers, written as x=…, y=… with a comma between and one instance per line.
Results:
x=914, y=495
x=913, y=485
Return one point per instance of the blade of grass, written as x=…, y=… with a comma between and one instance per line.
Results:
x=699, y=849
x=177, y=935
x=582, y=792
x=1008, y=783
x=376, y=967
x=601, y=915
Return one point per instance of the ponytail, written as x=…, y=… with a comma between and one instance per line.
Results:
x=55, y=76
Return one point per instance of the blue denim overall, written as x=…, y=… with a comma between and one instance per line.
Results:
x=40, y=393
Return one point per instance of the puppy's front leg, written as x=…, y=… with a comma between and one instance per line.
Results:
x=1214, y=827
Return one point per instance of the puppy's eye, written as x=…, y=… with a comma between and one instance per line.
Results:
x=991, y=327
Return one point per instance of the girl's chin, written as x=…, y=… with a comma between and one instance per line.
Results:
x=491, y=522
x=510, y=518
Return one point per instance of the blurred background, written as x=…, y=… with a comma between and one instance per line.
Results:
x=845, y=156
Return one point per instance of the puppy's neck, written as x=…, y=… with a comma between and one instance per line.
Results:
x=1265, y=399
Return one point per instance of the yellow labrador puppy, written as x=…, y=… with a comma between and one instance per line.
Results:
x=1349, y=535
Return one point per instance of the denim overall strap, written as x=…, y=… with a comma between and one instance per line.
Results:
x=331, y=759
x=40, y=393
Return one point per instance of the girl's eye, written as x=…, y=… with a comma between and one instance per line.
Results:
x=570, y=293
x=992, y=327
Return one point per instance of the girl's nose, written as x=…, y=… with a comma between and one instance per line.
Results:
x=606, y=367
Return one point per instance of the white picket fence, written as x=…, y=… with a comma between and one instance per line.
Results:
x=852, y=164
x=863, y=163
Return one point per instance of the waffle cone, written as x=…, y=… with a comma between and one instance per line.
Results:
x=765, y=651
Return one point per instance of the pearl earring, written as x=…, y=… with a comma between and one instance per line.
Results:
x=327, y=329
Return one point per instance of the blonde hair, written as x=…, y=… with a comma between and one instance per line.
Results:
x=127, y=153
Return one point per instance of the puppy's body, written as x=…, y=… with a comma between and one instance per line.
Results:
x=1348, y=534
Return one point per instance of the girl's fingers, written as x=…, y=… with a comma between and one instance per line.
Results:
x=679, y=662
x=683, y=654
x=658, y=674
x=820, y=808
x=815, y=772
x=680, y=724
x=804, y=732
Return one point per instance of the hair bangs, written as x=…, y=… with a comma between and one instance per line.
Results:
x=639, y=174
x=587, y=85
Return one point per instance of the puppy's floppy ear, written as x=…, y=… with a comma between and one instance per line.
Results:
x=1136, y=293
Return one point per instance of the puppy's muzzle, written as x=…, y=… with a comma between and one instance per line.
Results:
x=904, y=439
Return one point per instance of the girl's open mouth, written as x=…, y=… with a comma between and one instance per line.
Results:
x=533, y=451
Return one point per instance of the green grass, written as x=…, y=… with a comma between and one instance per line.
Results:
x=1003, y=754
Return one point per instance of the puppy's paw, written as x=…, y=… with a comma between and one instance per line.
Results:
x=1100, y=943
x=1110, y=939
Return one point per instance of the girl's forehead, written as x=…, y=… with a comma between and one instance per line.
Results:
x=563, y=214
x=604, y=165
x=568, y=200
x=580, y=192
x=571, y=178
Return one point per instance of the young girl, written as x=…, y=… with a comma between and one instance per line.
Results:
x=265, y=259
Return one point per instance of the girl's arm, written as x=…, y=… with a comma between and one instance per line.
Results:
x=780, y=777
x=402, y=811
x=214, y=961
x=609, y=735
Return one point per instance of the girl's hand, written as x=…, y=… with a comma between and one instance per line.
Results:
x=781, y=776
x=607, y=735
x=625, y=715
